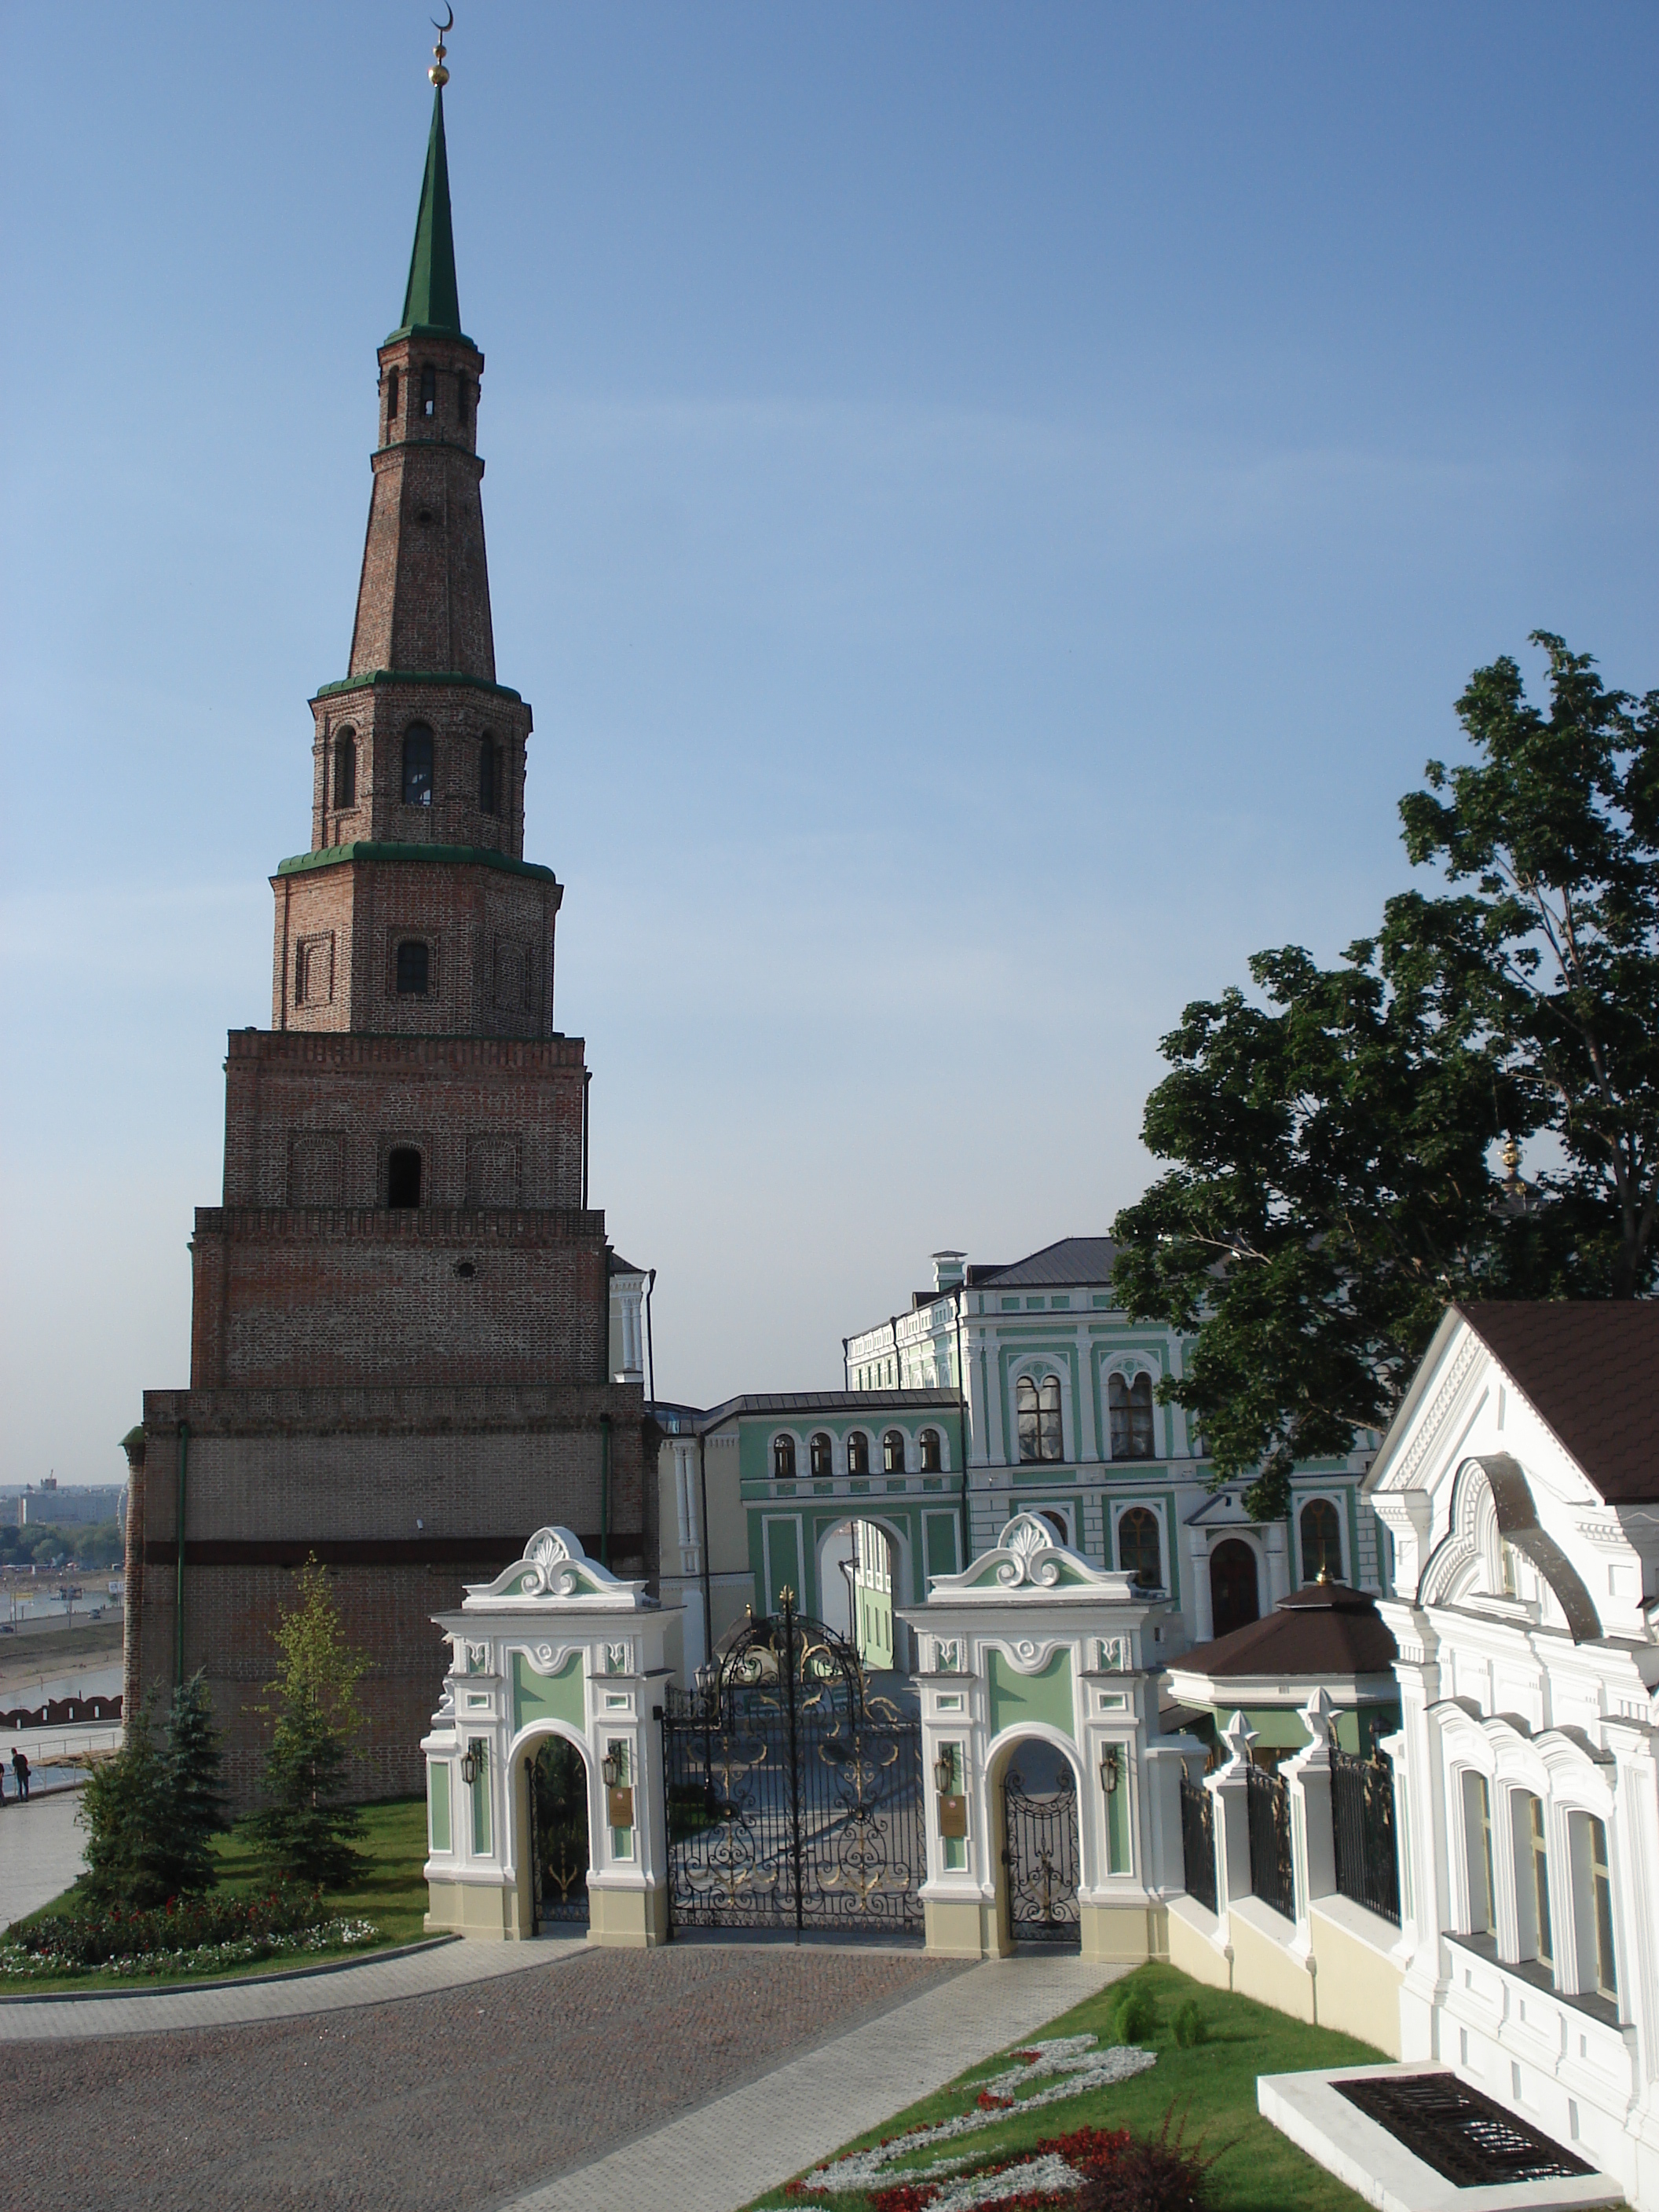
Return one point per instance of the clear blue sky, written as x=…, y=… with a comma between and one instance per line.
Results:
x=991, y=506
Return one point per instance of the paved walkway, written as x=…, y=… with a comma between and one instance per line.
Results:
x=469, y=2098
x=293, y=1996
x=754, y=2138
x=40, y=1851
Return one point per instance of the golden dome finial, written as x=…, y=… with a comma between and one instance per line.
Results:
x=438, y=74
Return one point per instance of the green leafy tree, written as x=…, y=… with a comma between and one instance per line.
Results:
x=126, y=1810
x=307, y=1826
x=1330, y=1185
x=195, y=1784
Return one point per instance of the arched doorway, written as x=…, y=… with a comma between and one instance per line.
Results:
x=1235, y=1597
x=1040, y=1852
x=858, y=1565
x=556, y=1774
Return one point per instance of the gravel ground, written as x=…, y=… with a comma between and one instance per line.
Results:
x=454, y=2102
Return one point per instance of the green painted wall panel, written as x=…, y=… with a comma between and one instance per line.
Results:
x=437, y=1808
x=558, y=1696
x=1045, y=1696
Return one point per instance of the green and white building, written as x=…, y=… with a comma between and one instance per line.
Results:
x=1056, y=1389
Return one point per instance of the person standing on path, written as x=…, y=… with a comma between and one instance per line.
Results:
x=20, y=1767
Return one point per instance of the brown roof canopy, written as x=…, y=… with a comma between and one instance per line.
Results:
x=1318, y=1633
x=1590, y=1369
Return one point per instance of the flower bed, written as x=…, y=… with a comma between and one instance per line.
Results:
x=187, y=1935
x=1048, y=2073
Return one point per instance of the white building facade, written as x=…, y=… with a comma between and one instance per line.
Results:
x=1520, y=1486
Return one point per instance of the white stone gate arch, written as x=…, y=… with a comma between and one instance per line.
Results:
x=555, y=1646
x=1032, y=1641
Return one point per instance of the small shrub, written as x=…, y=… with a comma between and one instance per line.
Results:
x=1151, y=2173
x=1134, y=2016
x=1190, y=2026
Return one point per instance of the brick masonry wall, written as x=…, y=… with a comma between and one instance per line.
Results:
x=460, y=1098
x=489, y=934
x=424, y=597
x=460, y=716
x=274, y=1475
x=284, y=1298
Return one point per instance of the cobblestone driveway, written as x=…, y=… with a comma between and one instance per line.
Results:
x=449, y=2103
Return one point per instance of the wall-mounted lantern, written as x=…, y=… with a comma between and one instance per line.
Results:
x=475, y=1760
x=1109, y=1773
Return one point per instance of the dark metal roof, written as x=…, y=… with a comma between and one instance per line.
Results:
x=1072, y=1259
x=1318, y=1633
x=1590, y=1369
x=870, y=1402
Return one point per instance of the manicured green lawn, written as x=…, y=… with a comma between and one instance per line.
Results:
x=390, y=1893
x=1211, y=2087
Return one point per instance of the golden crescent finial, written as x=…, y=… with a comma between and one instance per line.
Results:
x=438, y=74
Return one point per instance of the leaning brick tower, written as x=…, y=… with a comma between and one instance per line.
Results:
x=399, y=1333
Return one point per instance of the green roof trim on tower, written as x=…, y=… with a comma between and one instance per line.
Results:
x=466, y=856
x=431, y=300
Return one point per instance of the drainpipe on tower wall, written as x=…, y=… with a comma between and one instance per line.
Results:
x=178, y=1587
x=650, y=1354
x=605, y=1489
x=587, y=1077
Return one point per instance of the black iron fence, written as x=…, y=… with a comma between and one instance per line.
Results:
x=1273, y=1875
x=1363, y=1831
x=1198, y=1841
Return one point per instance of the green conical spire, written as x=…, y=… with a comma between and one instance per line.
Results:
x=431, y=301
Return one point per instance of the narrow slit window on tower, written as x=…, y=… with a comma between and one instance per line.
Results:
x=345, y=771
x=428, y=390
x=486, y=802
x=414, y=967
x=417, y=765
x=461, y=396
x=391, y=399
x=403, y=1176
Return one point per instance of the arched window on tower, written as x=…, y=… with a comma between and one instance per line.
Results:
x=1321, y=1532
x=821, y=1454
x=931, y=1461
x=414, y=969
x=858, y=1453
x=892, y=1452
x=428, y=390
x=417, y=765
x=783, y=1459
x=403, y=1176
x=1139, y=1552
x=1036, y=1406
x=1130, y=1406
x=487, y=789
x=345, y=770
x=390, y=401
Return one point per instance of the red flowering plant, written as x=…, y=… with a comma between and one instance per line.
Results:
x=183, y=1923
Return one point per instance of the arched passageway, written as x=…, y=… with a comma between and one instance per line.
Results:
x=1041, y=1854
x=557, y=1778
x=858, y=1564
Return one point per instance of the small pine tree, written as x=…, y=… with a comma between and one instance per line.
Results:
x=126, y=1810
x=197, y=1800
x=308, y=1829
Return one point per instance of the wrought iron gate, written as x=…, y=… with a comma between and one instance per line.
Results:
x=1198, y=1841
x=1273, y=1871
x=1040, y=1851
x=557, y=1778
x=794, y=1797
